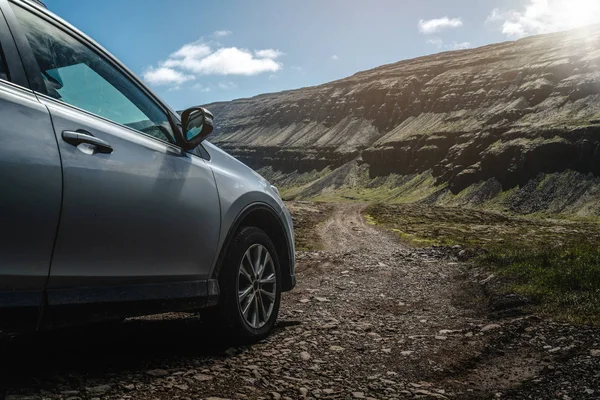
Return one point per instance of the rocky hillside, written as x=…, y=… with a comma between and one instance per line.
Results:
x=505, y=115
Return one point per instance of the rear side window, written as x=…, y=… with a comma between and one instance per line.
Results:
x=3, y=69
x=77, y=75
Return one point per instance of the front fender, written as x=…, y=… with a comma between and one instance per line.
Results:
x=241, y=191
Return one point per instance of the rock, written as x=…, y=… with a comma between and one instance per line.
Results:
x=304, y=355
x=232, y=351
x=595, y=352
x=303, y=391
x=100, y=389
x=358, y=395
x=445, y=332
x=406, y=352
x=275, y=396
x=22, y=397
x=554, y=350
x=322, y=299
x=490, y=327
x=336, y=348
x=304, y=301
x=203, y=377
x=157, y=372
x=427, y=393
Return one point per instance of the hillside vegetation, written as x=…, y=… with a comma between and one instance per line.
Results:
x=514, y=125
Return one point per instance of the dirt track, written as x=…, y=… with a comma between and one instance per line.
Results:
x=370, y=318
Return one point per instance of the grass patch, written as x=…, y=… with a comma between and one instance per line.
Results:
x=553, y=262
x=370, y=220
x=561, y=281
x=306, y=217
x=392, y=189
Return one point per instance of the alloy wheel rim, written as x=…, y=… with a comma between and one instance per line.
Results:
x=257, y=286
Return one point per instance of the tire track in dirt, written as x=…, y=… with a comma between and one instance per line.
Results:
x=347, y=230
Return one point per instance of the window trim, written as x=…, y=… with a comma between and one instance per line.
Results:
x=32, y=68
x=12, y=85
x=12, y=58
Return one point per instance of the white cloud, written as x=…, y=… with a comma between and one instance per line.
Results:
x=335, y=57
x=198, y=58
x=165, y=76
x=430, y=26
x=544, y=16
x=268, y=53
x=460, y=46
x=192, y=50
x=297, y=68
x=222, y=33
x=231, y=61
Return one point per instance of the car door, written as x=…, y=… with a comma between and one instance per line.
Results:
x=140, y=217
x=30, y=191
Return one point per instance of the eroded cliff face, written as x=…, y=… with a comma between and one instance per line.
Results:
x=507, y=111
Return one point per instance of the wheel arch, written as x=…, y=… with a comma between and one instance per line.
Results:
x=264, y=217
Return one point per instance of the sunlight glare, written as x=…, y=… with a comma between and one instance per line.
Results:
x=576, y=13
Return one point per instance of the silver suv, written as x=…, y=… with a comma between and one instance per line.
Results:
x=112, y=205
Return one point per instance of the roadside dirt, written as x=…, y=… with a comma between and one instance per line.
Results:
x=370, y=318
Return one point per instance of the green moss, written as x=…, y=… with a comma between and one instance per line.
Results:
x=413, y=239
x=501, y=146
x=370, y=220
x=543, y=182
x=554, y=262
x=561, y=281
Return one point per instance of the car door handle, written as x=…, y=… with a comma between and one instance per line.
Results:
x=80, y=136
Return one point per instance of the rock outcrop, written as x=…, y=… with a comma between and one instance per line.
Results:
x=507, y=111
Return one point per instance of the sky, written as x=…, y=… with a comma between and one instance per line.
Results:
x=195, y=52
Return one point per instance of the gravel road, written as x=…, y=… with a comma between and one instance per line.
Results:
x=370, y=318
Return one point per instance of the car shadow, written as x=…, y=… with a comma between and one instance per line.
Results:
x=96, y=352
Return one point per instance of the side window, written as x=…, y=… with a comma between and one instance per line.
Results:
x=77, y=75
x=3, y=69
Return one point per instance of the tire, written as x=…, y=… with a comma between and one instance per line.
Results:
x=244, y=320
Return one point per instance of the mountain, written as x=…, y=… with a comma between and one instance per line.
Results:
x=515, y=124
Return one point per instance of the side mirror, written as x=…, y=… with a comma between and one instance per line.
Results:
x=196, y=125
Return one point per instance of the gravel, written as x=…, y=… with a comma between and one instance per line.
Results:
x=369, y=319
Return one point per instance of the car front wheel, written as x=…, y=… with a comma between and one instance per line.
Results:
x=250, y=285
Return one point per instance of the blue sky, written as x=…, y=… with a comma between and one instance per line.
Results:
x=193, y=52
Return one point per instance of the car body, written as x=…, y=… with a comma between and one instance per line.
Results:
x=108, y=210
